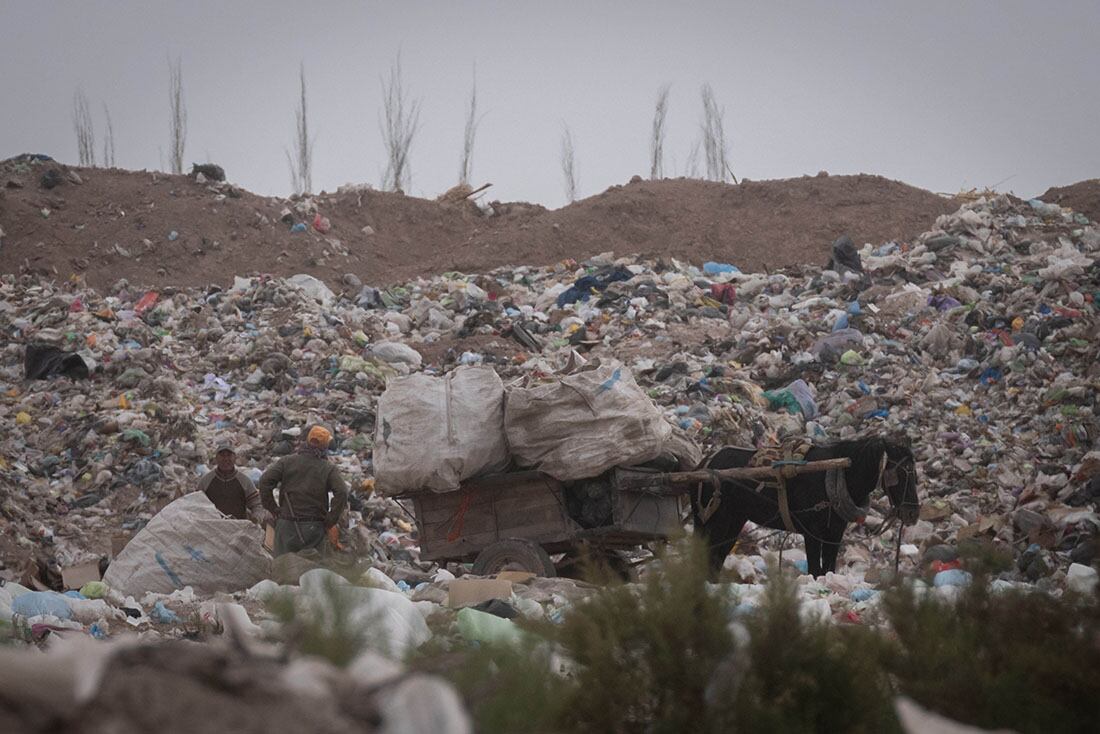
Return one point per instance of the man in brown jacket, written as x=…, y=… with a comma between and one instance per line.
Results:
x=303, y=513
x=231, y=491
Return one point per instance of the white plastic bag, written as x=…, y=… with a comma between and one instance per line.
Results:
x=583, y=424
x=190, y=543
x=434, y=432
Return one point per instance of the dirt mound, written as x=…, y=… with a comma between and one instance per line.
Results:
x=1083, y=197
x=757, y=225
x=163, y=230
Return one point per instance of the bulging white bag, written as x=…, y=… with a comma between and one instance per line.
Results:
x=434, y=432
x=585, y=423
x=190, y=543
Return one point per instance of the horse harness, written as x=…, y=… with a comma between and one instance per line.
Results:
x=783, y=458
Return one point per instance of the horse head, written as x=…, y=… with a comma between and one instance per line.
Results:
x=899, y=480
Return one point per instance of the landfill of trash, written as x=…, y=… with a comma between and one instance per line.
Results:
x=978, y=341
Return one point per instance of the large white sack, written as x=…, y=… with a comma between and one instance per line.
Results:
x=434, y=432
x=583, y=424
x=191, y=543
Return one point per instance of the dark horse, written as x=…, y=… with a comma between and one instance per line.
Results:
x=820, y=520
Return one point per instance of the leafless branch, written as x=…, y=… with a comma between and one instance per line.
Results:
x=177, y=124
x=301, y=162
x=657, y=142
x=714, y=137
x=691, y=167
x=84, y=128
x=108, y=140
x=401, y=119
x=568, y=164
x=467, y=166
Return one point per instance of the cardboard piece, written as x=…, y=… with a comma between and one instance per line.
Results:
x=269, y=538
x=466, y=592
x=76, y=576
x=516, y=577
x=118, y=542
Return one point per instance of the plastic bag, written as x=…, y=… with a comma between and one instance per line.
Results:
x=190, y=543
x=434, y=432
x=583, y=424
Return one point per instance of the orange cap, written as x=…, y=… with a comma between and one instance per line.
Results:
x=319, y=436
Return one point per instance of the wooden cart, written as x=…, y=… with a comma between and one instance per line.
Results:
x=517, y=520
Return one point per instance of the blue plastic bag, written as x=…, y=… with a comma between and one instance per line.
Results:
x=34, y=603
x=713, y=268
x=163, y=615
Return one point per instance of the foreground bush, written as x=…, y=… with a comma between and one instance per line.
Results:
x=668, y=655
x=1023, y=660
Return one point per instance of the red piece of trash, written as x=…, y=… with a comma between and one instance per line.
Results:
x=146, y=302
x=723, y=293
x=321, y=224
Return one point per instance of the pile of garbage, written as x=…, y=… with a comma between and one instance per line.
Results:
x=977, y=340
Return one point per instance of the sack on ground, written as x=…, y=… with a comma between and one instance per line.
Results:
x=190, y=543
x=583, y=424
x=434, y=432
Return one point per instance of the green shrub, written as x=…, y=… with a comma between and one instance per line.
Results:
x=810, y=677
x=324, y=627
x=507, y=690
x=1023, y=660
x=662, y=656
x=644, y=655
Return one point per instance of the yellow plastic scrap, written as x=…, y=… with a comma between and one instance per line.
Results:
x=22, y=418
x=963, y=410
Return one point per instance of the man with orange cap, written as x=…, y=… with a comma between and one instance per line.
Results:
x=304, y=515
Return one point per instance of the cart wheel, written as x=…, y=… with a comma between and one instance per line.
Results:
x=514, y=554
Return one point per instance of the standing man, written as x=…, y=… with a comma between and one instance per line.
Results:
x=231, y=491
x=303, y=514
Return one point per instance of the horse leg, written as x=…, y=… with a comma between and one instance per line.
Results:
x=721, y=540
x=831, y=548
x=813, y=555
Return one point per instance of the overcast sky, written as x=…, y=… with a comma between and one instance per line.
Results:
x=942, y=95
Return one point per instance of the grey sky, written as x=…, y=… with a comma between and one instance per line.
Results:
x=942, y=95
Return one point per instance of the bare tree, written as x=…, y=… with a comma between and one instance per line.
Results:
x=400, y=121
x=108, y=140
x=177, y=110
x=472, y=120
x=301, y=162
x=714, y=137
x=657, y=142
x=568, y=164
x=85, y=130
x=691, y=168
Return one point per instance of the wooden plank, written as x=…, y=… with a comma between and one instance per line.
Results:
x=472, y=524
x=440, y=506
x=629, y=481
x=501, y=502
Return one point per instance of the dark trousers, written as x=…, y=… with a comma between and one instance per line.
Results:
x=292, y=536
